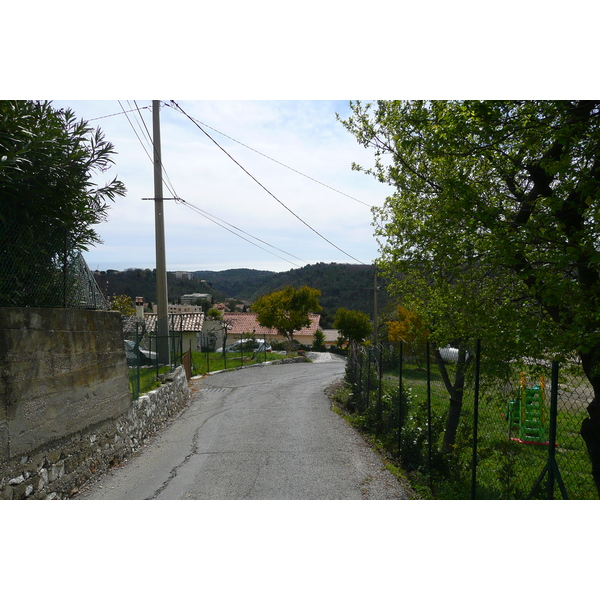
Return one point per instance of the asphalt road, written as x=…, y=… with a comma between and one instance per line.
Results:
x=263, y=433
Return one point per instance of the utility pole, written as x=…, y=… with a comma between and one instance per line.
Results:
x=375, y=315
x=162, y=325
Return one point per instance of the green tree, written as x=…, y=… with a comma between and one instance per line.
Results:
x=318, y=340
x=124, y=304
x=288, y=309
x=495, y=200
x=354, y=326
x=50, y=202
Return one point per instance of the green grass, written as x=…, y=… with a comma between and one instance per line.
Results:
x=506, y=469
x=147, y=379
x=201, y=364
x=214, y=361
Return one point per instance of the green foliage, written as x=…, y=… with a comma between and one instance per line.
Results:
x=214, y=313
x=341, y=285
x=287, y=310
x=492, y=231
x=318, y=340
x=124, y=304
x=353, y=325
x=50, y=202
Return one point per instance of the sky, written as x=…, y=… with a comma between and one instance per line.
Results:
x=315, y=207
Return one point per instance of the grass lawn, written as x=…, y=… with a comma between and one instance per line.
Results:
x=203, y=362
x=505, y=467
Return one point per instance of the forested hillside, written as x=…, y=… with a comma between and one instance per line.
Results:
x=341, y=285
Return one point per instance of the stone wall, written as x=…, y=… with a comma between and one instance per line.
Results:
x=65, y=407
x=60, y=370
x=58, y=469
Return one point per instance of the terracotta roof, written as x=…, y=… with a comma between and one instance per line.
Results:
x=183, y=321
x=248, y=323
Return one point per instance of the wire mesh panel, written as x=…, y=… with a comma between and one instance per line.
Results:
x=507, y=431
x=574, y=395
x=44, y=273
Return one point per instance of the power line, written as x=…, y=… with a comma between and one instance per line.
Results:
x=149, y=153
x=198, y=210
x=264, y=188
x=119, y=113
x=212, y=218
x=274, y=160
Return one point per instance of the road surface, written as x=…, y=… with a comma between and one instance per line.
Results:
x=256, y=433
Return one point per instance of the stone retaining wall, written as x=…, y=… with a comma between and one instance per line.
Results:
x=58, y=469
x=60, y=371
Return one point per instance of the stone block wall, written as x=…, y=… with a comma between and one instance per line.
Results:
x=60, y=370
x=58, y=469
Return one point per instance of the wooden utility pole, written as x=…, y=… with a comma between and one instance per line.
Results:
x=162, y=326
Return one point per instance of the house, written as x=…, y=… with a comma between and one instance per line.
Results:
x=188, y=325
x=240, y=325
x=331, y=337
x=184, y=275
x=189, y=298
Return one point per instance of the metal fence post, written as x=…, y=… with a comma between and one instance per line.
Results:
x=138, y=361
x=368, y=357
x=377, y=350
x=400, y=391
x=551, y=466
x=428, y=360
x=475, y=420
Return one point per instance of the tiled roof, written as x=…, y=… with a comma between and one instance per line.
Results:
x=183, y=321
x=248, y=323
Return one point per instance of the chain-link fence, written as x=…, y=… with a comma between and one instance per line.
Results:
x=469, y=432
x=44, y=273
x=141, y=350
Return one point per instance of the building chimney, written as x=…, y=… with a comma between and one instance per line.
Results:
x=139, y=307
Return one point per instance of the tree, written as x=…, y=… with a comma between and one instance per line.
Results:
x=354, y=326
x=409, y=327
x=288, y=309
x=503, y=195
x=410, y=330
x=318, y=341
x=49, y=200
x=124, y=304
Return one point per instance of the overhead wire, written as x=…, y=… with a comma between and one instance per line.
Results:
x=263, y=187
x=279, y=162
x=214, y=220
x=168, y=182
x=198, y=210
x=117, y=114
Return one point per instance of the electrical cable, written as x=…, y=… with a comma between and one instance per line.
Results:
x=264, y=188
x=119, y=113
x=205, y=213
x=206, y=216
x=276, y=161
x=198, y=210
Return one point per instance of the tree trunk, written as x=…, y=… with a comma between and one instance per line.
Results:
x=452, y=422
x=456, y=391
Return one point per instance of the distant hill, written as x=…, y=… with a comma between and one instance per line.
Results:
x=341, y=285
